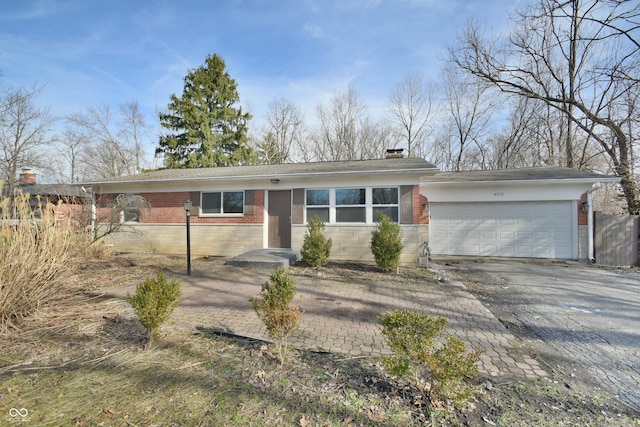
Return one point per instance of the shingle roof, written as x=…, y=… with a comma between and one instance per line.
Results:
x=55, y=190
x=522, y=174
x=381, y=166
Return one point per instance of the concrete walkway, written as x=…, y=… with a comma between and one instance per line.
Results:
x=340, y=315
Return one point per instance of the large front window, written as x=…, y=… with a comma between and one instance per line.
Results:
x=318, y=204
x=222, y=203
x=385, y=201
x=350, y=205
x=353, y=205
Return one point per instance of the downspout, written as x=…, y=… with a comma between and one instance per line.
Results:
x=594, y=187
x=93, y=215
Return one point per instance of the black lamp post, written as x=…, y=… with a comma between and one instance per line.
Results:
x=187, y=208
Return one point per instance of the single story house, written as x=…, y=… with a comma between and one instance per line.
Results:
x=534, y=212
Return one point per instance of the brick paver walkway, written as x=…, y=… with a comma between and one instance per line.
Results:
x=340, y=316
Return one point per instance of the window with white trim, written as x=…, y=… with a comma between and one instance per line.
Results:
x=385, y=201
x=222, y=203
x=318, y=204
x=353, y=205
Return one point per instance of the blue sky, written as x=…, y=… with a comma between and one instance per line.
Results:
x=91, y=53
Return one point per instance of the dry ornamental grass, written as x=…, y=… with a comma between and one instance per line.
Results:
x=37, y=255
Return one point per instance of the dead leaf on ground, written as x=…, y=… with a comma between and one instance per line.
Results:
x=377, y=416
x=304, y=422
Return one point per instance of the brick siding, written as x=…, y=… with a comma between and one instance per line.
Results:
x=167, y=208
x=420, y=214
x=582, y=216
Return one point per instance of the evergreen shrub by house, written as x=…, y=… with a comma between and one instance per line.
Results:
x=316, y=248
x=386, y=244
x=276, y=311
x=154, y=301
x=436, y=367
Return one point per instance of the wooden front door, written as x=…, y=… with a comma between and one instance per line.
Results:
x=279, y=219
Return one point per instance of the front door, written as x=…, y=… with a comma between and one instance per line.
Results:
x=279, y=219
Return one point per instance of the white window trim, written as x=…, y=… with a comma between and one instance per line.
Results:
x=221, y=215
x=369, y=220
x=370, y=200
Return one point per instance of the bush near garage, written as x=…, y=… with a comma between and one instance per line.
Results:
x=386, y=244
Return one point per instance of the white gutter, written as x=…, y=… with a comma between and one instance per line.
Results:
x=426, y=182
x=297, y=175
x=590, y=255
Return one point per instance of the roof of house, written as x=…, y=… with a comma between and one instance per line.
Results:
x=544, y=173
x=412, y=165
x=49, y=190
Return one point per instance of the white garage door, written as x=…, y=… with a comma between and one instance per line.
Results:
x=522, y=229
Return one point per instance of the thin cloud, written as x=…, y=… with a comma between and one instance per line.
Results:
x=315, y=31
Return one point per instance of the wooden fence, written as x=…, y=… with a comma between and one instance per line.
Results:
x=616, y=239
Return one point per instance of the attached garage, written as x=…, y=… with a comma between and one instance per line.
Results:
x=504, y=229
x=527, y=213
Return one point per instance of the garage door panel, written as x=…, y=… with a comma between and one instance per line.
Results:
x=524, y=236
x=526, y=221
x=524, y=251
x=507, y=235
x=491, y=235
x=523, y=229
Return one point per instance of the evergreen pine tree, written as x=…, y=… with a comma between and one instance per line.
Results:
x=204, y=127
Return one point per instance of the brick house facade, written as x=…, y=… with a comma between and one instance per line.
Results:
x=530, y=212
x=255, y=224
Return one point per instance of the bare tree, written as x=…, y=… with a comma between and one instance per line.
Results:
x=579, y=57
x=71, y=150
x=283, y=130
x=469, y=107
x=24, y=132
x=411, y=105
x=133, y=129
x=114, y=148
x=346, y=132
x=533, y=135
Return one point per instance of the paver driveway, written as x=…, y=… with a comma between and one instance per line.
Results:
x=589, y=315
x=340, y=313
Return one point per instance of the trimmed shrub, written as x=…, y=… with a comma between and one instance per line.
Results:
x=316, y=248
x=386, y=244
x=437, y=368
x=154, y=301
x=275, y=310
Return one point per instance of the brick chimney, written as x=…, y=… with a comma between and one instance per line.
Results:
x=394, y=153
x=27, y=177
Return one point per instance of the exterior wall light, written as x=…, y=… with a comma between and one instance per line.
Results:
x=585, y=207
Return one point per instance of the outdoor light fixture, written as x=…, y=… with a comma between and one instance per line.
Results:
x=585, y=207
x=188, y=205
x=275, y=181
